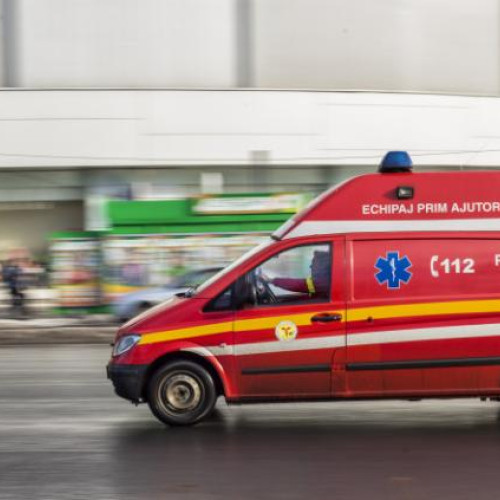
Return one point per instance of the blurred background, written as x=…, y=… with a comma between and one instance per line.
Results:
x=145, y=144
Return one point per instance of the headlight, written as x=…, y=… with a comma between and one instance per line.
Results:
x=125, y=344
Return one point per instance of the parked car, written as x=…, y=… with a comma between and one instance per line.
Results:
x=132, y=304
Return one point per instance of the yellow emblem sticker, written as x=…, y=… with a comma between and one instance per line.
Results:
x=286, y=330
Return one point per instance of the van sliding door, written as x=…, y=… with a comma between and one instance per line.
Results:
x=424, y=316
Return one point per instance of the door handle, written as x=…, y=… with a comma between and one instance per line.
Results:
x=326, y=318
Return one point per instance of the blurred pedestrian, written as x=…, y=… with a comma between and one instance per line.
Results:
x=12, y=277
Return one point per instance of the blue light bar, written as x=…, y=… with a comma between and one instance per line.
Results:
x=396, y=161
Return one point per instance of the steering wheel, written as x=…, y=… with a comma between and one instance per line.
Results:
x=264, y=292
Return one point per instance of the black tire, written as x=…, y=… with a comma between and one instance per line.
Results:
x=181, y=393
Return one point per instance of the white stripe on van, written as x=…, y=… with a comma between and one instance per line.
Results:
x=420, y=334
x=309, y=228
x=290, y=345
x=335, y=341
x=331, y=342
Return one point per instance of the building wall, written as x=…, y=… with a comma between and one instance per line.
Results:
x=3, y=34
x=80, y=146
x=125, y=43
x=28, y=225
x=101, y=129
x=449, y=46
x=60, y=147
x=41, y=185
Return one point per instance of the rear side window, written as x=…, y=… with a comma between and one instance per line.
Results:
x=384, y=269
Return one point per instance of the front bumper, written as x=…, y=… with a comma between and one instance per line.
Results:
x=128, y=380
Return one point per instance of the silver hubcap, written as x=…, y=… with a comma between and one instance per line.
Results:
x=183, y=392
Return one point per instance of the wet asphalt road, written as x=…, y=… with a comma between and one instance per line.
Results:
x=64, y=435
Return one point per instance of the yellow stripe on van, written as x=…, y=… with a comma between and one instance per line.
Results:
x=246, y=325
x=424, y=309
x=376, y=312
x=185, y=333
x=242, y=325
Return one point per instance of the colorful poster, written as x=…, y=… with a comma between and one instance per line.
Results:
x=75, y=272
x=131, y=263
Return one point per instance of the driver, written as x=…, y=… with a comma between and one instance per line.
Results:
x=317, y=285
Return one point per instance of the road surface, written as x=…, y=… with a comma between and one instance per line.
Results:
x=64, y=435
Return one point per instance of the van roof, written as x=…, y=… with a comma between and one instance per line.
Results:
x=430, y=201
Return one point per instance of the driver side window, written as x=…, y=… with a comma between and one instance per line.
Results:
x=296, y=275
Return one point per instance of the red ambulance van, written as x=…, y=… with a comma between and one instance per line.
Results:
x=386, y=286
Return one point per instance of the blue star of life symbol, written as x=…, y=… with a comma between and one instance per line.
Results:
x=393, y=270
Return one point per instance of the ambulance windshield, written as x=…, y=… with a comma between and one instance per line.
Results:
x=232, y=266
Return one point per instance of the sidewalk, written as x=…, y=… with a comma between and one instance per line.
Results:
x=93, y=329
x=43, y=326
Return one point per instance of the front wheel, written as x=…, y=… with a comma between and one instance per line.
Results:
x=181, y=393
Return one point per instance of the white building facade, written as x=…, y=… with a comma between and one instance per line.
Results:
x=169, y=97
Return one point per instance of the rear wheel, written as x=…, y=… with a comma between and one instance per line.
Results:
x=181, y=393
